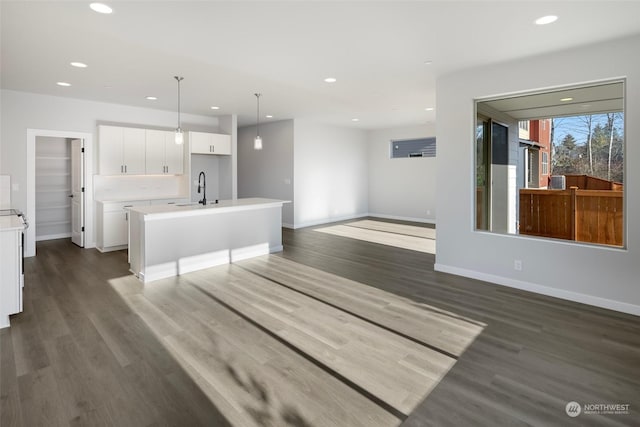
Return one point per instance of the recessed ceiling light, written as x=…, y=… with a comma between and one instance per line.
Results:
x=566, y=99
x=428, y=62
x=330, y=80
x=355, y=120
x=269, y=116
x=428, y=109
x=544, y=20
x=100, y=8
x=151, y=98
x=79, y=64
x=65, y=84
x=213, y=107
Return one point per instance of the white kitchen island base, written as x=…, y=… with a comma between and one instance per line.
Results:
x=170, y=240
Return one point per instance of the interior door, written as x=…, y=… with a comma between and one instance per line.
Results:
x=77, y=192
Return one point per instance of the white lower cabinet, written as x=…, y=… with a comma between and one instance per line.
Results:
x=113, y=222
x=113, y=226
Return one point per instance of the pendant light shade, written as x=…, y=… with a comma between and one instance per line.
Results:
x=179, y=134
x=257, y=142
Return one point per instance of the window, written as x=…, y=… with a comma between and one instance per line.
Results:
x=421, y=147
x=583, y=143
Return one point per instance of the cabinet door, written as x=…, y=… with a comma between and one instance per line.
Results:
x=155, y=152
x=174, y=155
x=133, y=149
x=200, y=142
x=221, y=144
x=110, y=150
x=114, y=226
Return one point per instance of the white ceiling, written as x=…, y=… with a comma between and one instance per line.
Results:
x=227, y=51
x=589, y=99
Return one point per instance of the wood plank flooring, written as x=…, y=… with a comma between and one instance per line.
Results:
x=333, y=331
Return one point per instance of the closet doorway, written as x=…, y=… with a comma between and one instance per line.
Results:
x=59, y=183
x=59, y=189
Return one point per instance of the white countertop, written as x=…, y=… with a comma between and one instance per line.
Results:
x=10, y=223
x=135, y=199
x=179, y=210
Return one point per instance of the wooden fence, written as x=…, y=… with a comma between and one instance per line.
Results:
x=594, y=216
x=586, y=182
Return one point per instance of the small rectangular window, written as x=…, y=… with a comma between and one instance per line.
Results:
x=420, y=147
x=524, y=125
x=545, y=163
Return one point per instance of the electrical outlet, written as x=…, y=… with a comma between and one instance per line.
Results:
x=517, y=264
x=428, y=212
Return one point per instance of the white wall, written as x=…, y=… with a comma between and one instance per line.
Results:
x=331, y=173
x=591, y=274
x=22, y=111
x=268, y=172
x=401, y=188
x=228, y=165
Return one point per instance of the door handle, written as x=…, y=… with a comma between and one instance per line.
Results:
x=71, y=195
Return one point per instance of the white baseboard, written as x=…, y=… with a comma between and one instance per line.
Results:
x=4, y=321
x=329, y=220
x=622, y=307
x=112, y=248
x=403, y=218
x=53, y=237
x=291, y=226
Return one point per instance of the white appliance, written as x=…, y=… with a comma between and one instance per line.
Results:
x=12, y=227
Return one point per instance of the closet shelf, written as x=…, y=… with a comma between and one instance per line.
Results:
x=45, y=173
x=45, y=223
x=52, y=158
x=46, y=208
x=53, y=189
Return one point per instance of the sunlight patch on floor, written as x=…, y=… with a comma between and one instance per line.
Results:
x=384, y=233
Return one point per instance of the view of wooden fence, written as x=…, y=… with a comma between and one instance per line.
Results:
x=594, y=216
x=586, y=182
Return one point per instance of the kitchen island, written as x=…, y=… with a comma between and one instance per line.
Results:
x=169, y=240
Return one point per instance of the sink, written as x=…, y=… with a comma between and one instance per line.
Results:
x=187, y=204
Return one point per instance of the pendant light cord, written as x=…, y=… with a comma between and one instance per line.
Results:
x=258, y=115
x=179, y=79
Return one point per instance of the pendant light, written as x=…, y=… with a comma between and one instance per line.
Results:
x=179, y=133
x=257, y=143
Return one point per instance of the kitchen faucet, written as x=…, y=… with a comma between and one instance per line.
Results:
x=202, y=187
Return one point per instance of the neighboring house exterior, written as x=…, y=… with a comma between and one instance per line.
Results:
x=535, y=137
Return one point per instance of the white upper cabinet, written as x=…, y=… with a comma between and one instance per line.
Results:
x=164, y=156
x=210, y=143
x=121, y=150
x=174, y=154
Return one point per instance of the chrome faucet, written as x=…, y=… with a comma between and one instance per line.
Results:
x=202, y=187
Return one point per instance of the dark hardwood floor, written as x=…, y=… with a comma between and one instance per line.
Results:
x=332, y=331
